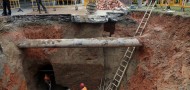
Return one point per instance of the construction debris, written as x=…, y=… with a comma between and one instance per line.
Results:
x=108, y=4
x=91, y=7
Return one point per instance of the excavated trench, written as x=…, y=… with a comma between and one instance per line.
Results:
x=162, y=63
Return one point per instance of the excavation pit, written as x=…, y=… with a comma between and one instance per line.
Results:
x=161, y=63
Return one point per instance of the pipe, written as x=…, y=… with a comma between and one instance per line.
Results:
x=79, y=43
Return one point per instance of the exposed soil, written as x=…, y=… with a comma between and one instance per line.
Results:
x=41, y=32
x=164, y=58
x=162, y=63
x=69, y=70
x=36, y=32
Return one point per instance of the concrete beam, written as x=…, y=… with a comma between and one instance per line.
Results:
x=79, y=43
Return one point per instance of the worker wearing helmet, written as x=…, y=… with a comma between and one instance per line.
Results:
x=82, y=86
x=47, y=81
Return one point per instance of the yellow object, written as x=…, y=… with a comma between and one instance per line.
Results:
x=177, y=3
x=52, y=3
x=84, y=88
x=86, y=2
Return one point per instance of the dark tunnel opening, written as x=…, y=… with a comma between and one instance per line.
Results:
x=45, y=79
x=45, y=71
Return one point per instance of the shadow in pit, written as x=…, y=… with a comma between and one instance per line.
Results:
x=109, y=27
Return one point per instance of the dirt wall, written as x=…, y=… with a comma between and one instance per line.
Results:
x=71, y=66
x=11, y=77
x=165, y=55
x=162, y=63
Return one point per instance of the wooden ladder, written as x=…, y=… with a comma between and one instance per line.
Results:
x=130, y=50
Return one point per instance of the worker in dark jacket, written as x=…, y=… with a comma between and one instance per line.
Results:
x=6, y=5
x=39, y=2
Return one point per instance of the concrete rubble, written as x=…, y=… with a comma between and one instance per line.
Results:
x=108, y=4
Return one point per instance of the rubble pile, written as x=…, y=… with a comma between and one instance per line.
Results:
x=108, y=4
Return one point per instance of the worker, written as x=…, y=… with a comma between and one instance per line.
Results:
x=82, y=86
x=6, y=5
x=168, y=5
x=48, y=81
x=39, y=2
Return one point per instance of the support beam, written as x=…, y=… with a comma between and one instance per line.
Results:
x=79, y=43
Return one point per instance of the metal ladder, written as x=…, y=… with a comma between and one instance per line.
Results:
x=130, y=50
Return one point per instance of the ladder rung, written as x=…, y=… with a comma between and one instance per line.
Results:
x=147, y=13
x=128, y=54
x=114, y=84
x=151, y=6
x=125, y=61
x=117, y=80
x=122, y=65
x=149, y=9
x=118, y=75
x=138, y=32
x=141, y=28
x=126, y=64
x=120, y=70
x=129, y=51
x=144, y=22
x=123, y=58
x=145, y=19
x=128, y=57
